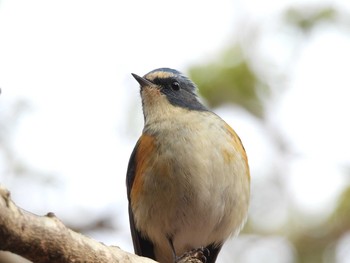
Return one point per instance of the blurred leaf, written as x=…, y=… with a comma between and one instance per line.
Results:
x=230, y=79
x=312, y=243
x=306, y=18
x=341, y=217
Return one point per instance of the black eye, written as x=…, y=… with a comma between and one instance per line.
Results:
x=175, y=85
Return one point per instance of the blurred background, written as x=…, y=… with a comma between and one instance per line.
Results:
x=277, y=71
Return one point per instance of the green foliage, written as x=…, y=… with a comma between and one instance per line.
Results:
x=307, y=18
x=341, y=217
x=313, y=242
x=230, y=79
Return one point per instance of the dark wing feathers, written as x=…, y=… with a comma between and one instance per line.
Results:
x=142, y=246
x=214, y=251
x=130, y=174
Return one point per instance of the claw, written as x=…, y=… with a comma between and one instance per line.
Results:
x=206, y=251
x=198, y=253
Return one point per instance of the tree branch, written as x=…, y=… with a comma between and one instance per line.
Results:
x=46, y=239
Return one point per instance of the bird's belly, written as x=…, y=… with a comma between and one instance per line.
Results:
x=195, y=192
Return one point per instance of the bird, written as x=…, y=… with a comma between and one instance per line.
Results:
x=188, y=179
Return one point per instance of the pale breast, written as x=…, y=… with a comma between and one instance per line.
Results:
x=196, y=189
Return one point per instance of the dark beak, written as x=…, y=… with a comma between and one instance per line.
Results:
x=142, y=81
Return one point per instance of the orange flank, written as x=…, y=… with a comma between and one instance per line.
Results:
x=145, y=147
x=237, y=144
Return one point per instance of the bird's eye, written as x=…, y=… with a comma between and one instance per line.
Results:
x=175, y=85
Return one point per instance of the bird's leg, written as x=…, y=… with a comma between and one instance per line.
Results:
x=198, y=253
x=170, y=240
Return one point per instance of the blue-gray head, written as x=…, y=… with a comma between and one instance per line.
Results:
x=179, y=90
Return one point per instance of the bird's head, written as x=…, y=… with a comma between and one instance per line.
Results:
x=166, y=90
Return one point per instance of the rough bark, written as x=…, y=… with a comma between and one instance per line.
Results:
x=46, y=239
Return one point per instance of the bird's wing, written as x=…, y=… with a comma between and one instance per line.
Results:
x=213, y=252
x=142, y=246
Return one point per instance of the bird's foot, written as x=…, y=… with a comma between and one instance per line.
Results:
x=195, y=254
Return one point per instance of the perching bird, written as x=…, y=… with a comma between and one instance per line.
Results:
x=188, y=180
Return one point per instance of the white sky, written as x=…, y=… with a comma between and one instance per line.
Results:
x=71, y=60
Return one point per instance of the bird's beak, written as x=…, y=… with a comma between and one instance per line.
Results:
x=142, y=81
